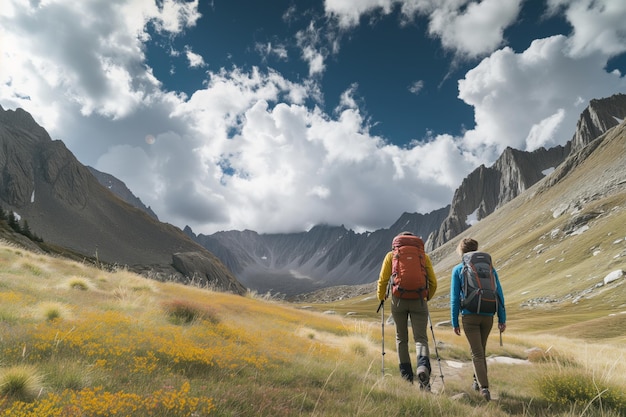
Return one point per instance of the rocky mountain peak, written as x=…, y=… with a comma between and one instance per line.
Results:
x=599, y=116
x=19, y=124
x=487, y=188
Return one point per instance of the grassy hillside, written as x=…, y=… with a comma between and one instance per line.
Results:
x=79, y=341
x=76, y=340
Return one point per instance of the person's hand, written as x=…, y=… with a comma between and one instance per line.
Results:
x=502, y=327
x=457, y=331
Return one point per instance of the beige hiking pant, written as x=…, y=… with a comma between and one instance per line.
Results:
x=417, y=310
x=477, y=329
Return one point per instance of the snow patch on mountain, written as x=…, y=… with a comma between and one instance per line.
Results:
x=472, y=218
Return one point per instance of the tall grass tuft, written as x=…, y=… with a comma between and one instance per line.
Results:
x=21, y=382
x=51, y=311
x=187, y=312
x=77, y=283
x=551, y=356
x=358, y=345
x=67, y=374
x=577, y=387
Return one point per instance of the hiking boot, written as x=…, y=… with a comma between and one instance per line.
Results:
x=423, y=376
x=406, y=372
x=424, y=386
x=486, y=394
x=475, y=386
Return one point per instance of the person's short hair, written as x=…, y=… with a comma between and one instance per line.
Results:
x=467, y=245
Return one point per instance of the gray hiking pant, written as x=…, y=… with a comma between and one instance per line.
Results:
x=417, y=310
x=477, y=328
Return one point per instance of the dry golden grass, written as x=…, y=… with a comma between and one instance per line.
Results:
x=111, y=348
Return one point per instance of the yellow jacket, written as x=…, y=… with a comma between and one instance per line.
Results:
x=385, y=274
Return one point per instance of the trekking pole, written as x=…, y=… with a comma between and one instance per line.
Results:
x=500, y=337
x=382, y=324
x=436, y=349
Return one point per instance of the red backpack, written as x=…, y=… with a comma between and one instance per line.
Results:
x=408, y=268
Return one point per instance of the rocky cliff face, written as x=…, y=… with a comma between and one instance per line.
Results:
x=19, y=133
x=488, y=188
x=64, y=204
x=600, y=116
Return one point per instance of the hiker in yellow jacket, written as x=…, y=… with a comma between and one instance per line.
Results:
x=417, y=310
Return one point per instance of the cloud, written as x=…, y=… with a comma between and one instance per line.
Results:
x=468, y=28
x=348, y=13
x=416, y=87
x=195, y=60
x=263, y=161
x=270, y=49
x=312, y=52
x=515, y=96
x=89, y=54
x=347, y=100
x=170, y=16
x=254, y=149
x=543, y=133
x=245, y=156
x=475, y=30
x=599, y=26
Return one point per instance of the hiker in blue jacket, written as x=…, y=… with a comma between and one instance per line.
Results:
x=476, y=325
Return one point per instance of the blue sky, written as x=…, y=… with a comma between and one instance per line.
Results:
x=276, y=116
x=383, y=58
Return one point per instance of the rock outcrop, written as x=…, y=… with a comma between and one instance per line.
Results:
x=487, y=188
x=205, y=272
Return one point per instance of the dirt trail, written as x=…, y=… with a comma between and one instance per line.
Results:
x=461, y=372
x=452, y=371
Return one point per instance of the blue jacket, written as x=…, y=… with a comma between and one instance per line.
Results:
x=456, y=284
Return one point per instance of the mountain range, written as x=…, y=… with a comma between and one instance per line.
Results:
x=94, y=214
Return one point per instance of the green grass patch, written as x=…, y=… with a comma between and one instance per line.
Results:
x=568, y=387
x=21, y=382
